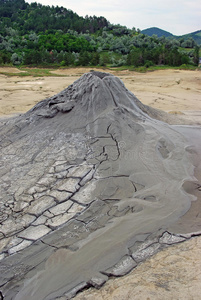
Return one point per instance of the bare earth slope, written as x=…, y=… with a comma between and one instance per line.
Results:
x=91, y=186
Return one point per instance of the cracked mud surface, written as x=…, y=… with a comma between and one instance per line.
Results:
x=90, y=187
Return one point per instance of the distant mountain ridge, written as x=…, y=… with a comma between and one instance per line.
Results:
x=157, y=31
x=196, y=35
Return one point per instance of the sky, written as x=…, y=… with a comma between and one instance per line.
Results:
x=176, y=16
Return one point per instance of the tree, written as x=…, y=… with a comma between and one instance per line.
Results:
x=69, y=58
x=135, y=57
x=84, y=58
x=4, y=57
x=196, y=55
x=16, y=59
x=32, y=57
x=95, y=58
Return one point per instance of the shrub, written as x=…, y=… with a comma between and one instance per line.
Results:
x=16, y=59
x=148, y=63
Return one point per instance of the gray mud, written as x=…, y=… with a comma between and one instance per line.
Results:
x=91, y=185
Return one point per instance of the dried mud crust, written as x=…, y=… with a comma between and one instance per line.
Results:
x=90, y=187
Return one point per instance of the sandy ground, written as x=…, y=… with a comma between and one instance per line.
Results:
x=174, y=91
x=174, y=273
x=171, y=274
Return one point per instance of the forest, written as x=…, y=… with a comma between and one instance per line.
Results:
x=38, y=35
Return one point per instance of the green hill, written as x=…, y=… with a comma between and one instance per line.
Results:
x=36, y=17
x=157, y=31
x=196, y=36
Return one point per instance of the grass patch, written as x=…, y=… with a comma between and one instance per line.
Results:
x=43, y=72
x=36, y=72
x=143, y=69
x=46, y=72
x=33, y=72
x=182, y=67
x=187, y=67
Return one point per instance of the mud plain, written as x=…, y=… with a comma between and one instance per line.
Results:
x=175, y=91
x=173, y=273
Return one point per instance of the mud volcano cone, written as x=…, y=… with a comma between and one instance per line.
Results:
x=91, y=185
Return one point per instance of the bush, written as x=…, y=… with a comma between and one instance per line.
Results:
x=185, y=60
x=118, y=62
x=62, y=63
x=5, y=58
x=148, y=63
x=141, y=69
x=16, y=59
x=187, y=67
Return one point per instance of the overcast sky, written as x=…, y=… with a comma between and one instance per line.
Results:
x=176, y=16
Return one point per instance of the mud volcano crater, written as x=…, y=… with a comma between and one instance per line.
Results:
x=91, y=185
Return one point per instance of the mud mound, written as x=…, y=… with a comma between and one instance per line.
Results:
x=91, y=185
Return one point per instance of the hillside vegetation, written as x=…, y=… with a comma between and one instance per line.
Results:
x=34, y=34
x=186, y=38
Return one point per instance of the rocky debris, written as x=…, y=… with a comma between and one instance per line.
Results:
x=173, y=273
x=123, y=267
x=72, y=293
x=90, y=185
x=170, y=239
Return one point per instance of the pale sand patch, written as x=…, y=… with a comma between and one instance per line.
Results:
x=19, y=94
x=75, y=71
x=171, y=274
x=169, y=90
x=10, y=70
